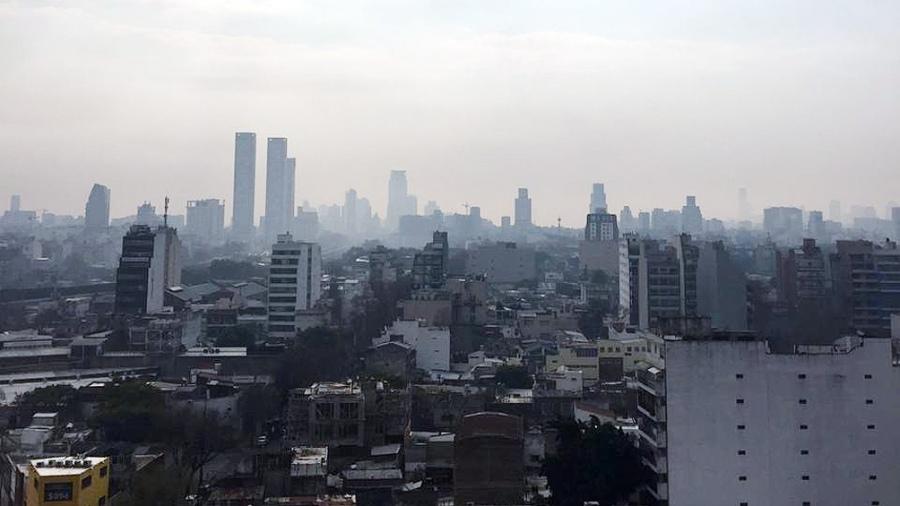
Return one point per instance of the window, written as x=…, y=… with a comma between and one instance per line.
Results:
x=805, y=477
x=804, y=452
x=739, y=401
x=86, y=482
x=804, y=427
x=742, y=478
x=744, y=504
x=870, y=427
x=803, y=401
x=801, y=376
x=807, y=503
x=868, y=376
x=870, y=401
x=742, y=452
x=872, y=452
x=741, y=427
x=872, y=477
x=739, y=376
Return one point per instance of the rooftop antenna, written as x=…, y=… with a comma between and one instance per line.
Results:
x=166, y=213
x=466, y=205
x=558, y=222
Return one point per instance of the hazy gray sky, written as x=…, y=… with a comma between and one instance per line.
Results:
x=799, y=101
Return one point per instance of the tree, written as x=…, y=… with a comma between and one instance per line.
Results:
x=513, y=376
x=238, y=336
x=594, y=462
x=131, y=411
x=256, y=406
x=318, y=354
x=62, y=399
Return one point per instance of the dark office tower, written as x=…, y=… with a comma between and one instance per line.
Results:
x=276, y=187
x=243, y=200
x=598, y=199
x=96, y=211
x=150, y=262
x=523, y=209
x=140, y=276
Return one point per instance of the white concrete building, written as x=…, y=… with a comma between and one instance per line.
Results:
x=295, y=284
x=432, y=344
x=728, y=422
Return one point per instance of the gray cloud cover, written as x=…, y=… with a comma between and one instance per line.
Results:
x=798, y=101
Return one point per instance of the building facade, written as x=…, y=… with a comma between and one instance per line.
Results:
x=68, y=481
x=818, y=426
x=295, y=285
x=205, y=220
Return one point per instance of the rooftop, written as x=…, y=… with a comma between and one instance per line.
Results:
x=65, y=466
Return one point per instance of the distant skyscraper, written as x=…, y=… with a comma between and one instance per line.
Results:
x=627, y=221
x=400, y=202
x=15, y=203
x=350, y=211
x=895, y=216
x=691, y=217
x=206, y=220
x=291, y=177
x=834, y=211
x=277, y=191
x=146, y=215
x=745, y=213
x=815, y=224
x=96, y=211
x=430, y=207
x=644, y=222
x=598, y=198
x=244, y=197
x=523, y=209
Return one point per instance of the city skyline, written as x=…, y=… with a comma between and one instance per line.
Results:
x=765, y=97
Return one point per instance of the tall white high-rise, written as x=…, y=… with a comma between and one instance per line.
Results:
x=96, y=211
x=523, y=209
x=277, y=191
x=244, y=196
x=294, y=283
x=598, y=199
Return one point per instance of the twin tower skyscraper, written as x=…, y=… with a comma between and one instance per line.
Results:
x=281, y=174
